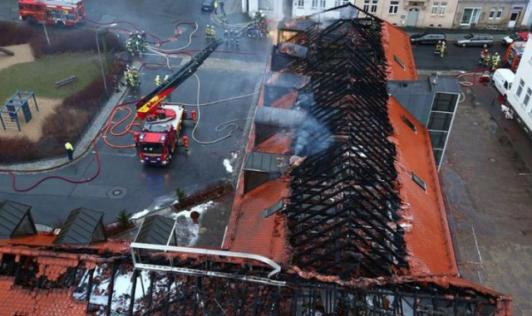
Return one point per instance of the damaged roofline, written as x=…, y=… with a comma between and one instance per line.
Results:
x=210, y=252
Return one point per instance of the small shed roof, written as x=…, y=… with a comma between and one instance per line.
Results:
x=12, y=214
x=155, y=230
x=82, y=227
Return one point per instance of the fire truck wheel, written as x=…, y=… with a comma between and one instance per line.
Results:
x=60, y=24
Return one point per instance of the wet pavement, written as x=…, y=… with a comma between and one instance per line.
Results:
x=123, y=182
x=487, y=183
x=457, y=58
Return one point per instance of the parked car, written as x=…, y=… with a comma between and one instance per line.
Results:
x=516, y=37
x=207, y=5
x=475, y=40
x=427, y=38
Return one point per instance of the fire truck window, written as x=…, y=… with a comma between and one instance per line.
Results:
x=152, y=148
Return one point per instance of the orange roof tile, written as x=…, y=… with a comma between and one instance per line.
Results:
x=429, y=240
x=398, y=51
x=40, y=302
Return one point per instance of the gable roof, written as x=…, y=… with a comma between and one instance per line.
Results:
x=11, y=216
x=82, y=227
x=155, y=230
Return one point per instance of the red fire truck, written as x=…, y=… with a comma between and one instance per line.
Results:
x=52, y=12
x=157, y=142
x=512, y=55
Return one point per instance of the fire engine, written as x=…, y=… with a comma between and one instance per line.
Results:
x=52, y=12
x=512, y=55
x=157, y=142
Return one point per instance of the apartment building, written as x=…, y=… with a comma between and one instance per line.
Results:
x=490, y=14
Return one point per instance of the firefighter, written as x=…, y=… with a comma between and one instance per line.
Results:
x=443, y=49
x=208, y=32
x=215, y=6
x=495, y=61
x=132, y=77
x=437, y=48
x=484, y=56
x=69, y=151
x=158, y=80
x=166, y=77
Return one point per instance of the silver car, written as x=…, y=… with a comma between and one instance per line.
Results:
x=475, y=40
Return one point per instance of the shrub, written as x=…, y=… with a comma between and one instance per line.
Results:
x=66, y=125
x=15, y=33
x=74, y=41
x=15, y=149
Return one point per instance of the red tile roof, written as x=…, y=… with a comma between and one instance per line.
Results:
x=42, y=302
x=429, y=240
x=398, y=51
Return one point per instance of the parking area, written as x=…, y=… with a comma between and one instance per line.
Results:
x=487, y=182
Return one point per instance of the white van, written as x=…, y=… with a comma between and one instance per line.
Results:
x=503, y=79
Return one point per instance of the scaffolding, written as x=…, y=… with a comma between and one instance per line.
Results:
x=18, y=107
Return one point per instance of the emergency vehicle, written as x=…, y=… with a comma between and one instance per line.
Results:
x=157, y=142
x=512, y=55
x=52, y=12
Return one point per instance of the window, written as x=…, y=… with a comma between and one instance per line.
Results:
x=439, y=8
x=526, y=100
x=520, y=88
x=322, y=3
x=408, y=123
x=492, y=13
x=470, y=16
x=394, y=6
x=499, y=13
x=373, y=7
x=419, y=181
x=366, y=5
x=336, y=3
x=300, y=3
x=314, y=4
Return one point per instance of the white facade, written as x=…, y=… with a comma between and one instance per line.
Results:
x=308, y=7
x=275, y=9
x=520, y=96
x=527, y=18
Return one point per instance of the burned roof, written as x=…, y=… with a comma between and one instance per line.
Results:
x=82, y=227
x=155, y=229
x=343, y=210
x=15, y=220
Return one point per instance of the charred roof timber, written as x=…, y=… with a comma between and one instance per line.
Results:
x=342, y=213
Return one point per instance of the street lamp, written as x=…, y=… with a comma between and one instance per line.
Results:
x=98, y=31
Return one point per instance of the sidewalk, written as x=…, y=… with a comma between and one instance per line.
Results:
x=455, y=34
x=81, y=147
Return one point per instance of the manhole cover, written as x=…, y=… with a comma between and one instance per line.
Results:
x=116, y=193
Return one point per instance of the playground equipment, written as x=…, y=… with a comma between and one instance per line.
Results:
x=17, y=107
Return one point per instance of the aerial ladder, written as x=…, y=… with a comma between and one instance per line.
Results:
x=157, y=142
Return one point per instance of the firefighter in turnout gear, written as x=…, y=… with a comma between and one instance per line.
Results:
x=443, y=49
x=484, y=56
x=437, y=48
x=210, y=33
x=495, y=61
x=132, y=77
x=158, y=80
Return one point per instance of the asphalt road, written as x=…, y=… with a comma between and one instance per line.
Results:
x=458, y=58
x=123, y=182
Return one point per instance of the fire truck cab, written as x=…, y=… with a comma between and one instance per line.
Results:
x=512, y=55
x=157, y=142
x=52, y=12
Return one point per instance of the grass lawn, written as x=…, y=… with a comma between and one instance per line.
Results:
x=41, y=75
